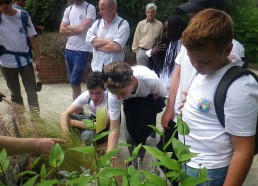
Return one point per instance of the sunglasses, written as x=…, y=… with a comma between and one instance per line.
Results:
x=115, y=76
x=5, y=2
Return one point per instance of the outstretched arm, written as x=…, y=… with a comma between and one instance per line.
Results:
x=15, y=146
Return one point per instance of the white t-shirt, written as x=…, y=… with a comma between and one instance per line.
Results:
x=188, y=73
x=14, y=38
x=238, y=49
x=148, y=83
x=75, y=16
x=84, y=99
x=207, y=136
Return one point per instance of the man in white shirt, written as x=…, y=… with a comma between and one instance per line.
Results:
x=77, y=19
x=108, y=36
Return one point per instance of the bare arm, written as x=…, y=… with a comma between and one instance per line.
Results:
x=241, y=160
x=174, y=84
x=35, y=47
x=81, y=28
x=63, y=30
x=114, y=135
x=15, y=146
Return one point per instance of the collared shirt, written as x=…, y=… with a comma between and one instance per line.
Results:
x=116, y=32
x=147, y=34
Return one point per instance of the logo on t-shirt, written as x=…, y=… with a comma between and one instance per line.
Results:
x=80, y=17
x=21, y=30
x=204, y=105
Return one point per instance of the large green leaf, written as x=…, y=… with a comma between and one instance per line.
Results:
x=89, y=124
x=154, y=178
x=203, y=173
x=4, y=161
x=170, y=163
x=83, y=180
x=183, y=128
x=87, y=150
x=31, y=181
x=101, y=135
x=111, y=172
x=187, y=180
x=153, y=151
x=43, y=171
x=36, y=162
x=26, y=172
x=48, y=183
x=156, y=130
x=56, y=156
x=187, y=157
x=179, y=148
x=135, y=176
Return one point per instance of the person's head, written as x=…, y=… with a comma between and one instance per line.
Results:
x=6, y=6
x=175, y=27
x=151, y=11
x=95, y=86
x=194, y=6
x=107, y=9
x=119, y=79
x=208, y=40
x=20, y=2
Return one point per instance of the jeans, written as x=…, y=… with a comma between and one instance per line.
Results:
x=218, y=176
x=76, y=63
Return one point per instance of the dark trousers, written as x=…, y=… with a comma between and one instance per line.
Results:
x=27, y=75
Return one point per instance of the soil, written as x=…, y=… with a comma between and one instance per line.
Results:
x=54, y=98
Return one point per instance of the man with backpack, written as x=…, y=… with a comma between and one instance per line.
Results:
x=108, y=36
x=77, y=19
x=15, y=57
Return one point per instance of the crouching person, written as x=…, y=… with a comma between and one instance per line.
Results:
x=95, y=97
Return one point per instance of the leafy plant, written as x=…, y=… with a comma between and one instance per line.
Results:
x=102, y=171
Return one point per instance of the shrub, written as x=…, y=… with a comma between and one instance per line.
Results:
x=52, y=45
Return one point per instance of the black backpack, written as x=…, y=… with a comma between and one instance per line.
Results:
x=220, y=95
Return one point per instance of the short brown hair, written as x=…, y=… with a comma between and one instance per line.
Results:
x=209, y=26
x=121, y=68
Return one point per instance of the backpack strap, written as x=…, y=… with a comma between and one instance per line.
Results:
x=120, y=23
x=221, y=92
x=24, y=20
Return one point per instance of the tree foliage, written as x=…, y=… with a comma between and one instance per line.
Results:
x=244, y=14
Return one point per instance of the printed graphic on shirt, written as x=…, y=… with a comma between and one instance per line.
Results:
x=204, y=105
x=80, y=17
x=21, y=30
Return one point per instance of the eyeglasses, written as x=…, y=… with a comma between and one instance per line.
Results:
x=5, y=2
x=115, y=76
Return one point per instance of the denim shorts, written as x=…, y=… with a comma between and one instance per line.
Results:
x=76, y=63
x=218, y=176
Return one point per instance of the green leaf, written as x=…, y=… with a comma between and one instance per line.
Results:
x=111, y=172
x=101, y=135
x=173, y=175
x=135, y=176
x=179, y=148
x=43, y=172
x=101, y=161
x=154, y=178
x=203, y=173
x=125, y=181
x=187, y=180
x=187, y=157
x=4, y=161
x=153, y=151
x=156, y=130
x=83, y=180
x=49, y=183
x=136, y=150
x=86, y=150
x=183, y=128
x=31, y=182
x=123, y=145
x=36, y=161
x=56, y=156
x=20, y=174
x=89, y=124
x=170, y=163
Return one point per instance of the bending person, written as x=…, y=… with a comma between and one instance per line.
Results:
x=140, y=91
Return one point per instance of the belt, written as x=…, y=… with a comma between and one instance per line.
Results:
x=144, y=48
